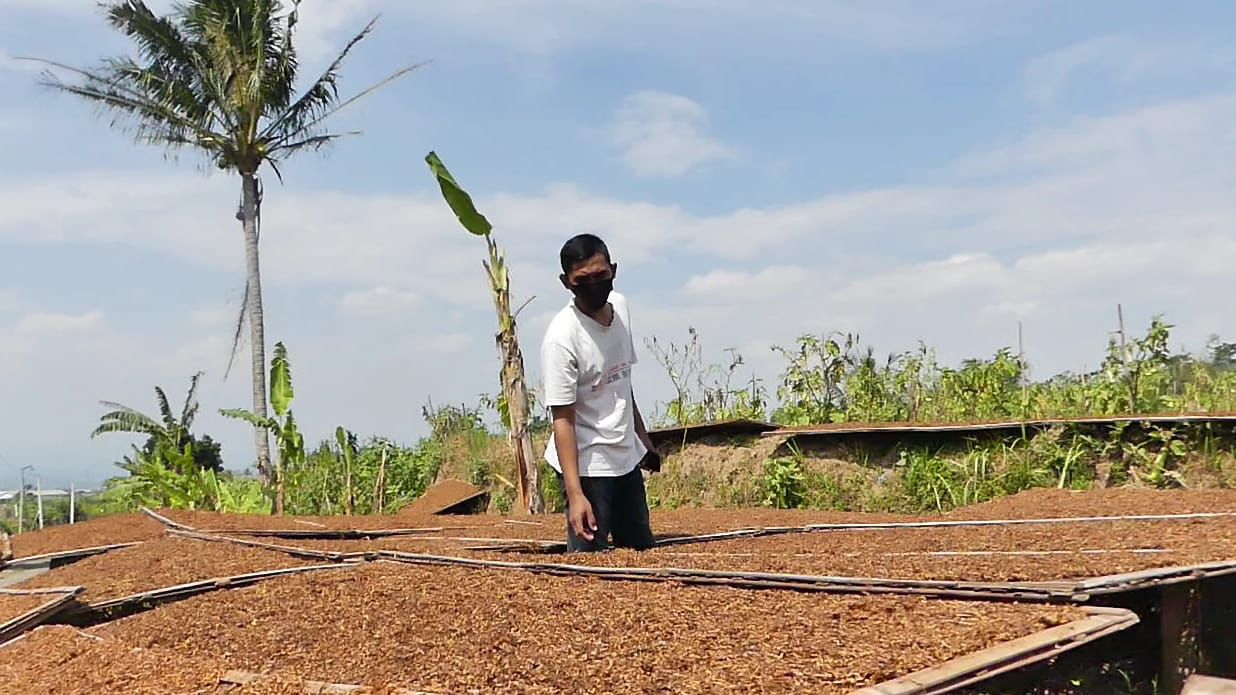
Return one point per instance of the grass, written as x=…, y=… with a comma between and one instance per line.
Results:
x=942, y=477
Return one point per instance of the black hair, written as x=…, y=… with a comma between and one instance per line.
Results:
x=580, y=248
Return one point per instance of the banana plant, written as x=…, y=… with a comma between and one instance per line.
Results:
x=348, y=448
x=291, y=444
x=514, y=403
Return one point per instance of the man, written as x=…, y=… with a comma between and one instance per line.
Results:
x=599, y=440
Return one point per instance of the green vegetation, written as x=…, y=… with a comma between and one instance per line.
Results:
x=832, y=379
x=514, y=403
x=167, y=431
x=824, y=380
x=219, y=77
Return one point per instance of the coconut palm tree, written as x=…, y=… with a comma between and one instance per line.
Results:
x=219, y=77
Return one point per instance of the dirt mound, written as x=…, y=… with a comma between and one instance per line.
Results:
x=453, y=630
x=440, y=497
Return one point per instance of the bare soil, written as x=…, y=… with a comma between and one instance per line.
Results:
x=452, y=630
x=157, y=564
x=108, y=530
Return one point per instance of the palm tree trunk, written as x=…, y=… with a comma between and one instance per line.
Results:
x=257, y=338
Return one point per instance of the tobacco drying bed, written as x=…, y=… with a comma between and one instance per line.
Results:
x=156, y=564
x=452, y=630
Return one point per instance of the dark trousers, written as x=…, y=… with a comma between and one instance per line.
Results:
x=620, y=508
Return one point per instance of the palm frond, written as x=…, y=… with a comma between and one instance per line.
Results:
x=165, y=409
x=239, y=331
x=279, y=142
x=172, y=56
x=315, y=142
x=320, y=96
x=154, y=121
x=191, y=405
x=127, y=420
x=280, y=85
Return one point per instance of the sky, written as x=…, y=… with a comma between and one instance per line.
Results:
x=761, y=169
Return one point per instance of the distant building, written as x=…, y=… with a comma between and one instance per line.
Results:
x=51, y=493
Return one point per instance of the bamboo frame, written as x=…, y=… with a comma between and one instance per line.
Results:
x=1021, y=591
x=145, y=600
x=165, y=521
x=305, y=553
x=71, y=555
x=326, y=534
x=312, y=687
x=1008, y=656
x=759, y=531
x=1048, y=591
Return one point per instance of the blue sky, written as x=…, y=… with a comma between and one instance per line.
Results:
x=761, y=169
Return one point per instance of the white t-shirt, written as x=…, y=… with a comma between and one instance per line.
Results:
x=589, y=365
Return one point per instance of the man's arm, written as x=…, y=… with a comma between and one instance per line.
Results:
x=640, y=429
x=580, y=510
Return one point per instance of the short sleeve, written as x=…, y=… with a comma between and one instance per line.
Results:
x=561, y=373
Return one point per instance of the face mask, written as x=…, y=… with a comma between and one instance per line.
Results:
x=594, y=296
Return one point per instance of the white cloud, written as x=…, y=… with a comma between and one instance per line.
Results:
x=213, y=315
x=379, y=301
x=50, y=325
x=1051, y=230
x=1118, y=59
x=738, y=285
x=664, y=135
x=207, y=354
x=439, y=344
x=543, y=27
x=1049, y=74
x=45, y=333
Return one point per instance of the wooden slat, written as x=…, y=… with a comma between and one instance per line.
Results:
x=38, y=615
x=312, y=687
x=1161, y=576
x=1041, y=591
x=165, y=521
x=325, y=534
x=983, y=664
x=292, y=550
x=43, y=590
x=75, y=554
x=898, y=525
x=179, y=591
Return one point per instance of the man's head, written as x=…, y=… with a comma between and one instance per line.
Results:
x=587, y=270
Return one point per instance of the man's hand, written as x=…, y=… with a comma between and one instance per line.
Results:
x=579, y=511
